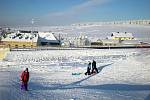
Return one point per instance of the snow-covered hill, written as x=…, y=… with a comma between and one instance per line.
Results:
x=123, y=75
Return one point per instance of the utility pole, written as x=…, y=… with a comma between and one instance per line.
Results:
x=32, y=22
x=59, y=40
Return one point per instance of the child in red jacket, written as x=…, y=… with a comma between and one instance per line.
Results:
x=24, y=79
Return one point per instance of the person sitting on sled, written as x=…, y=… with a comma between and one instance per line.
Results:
x=24, y=79
x=88, y=69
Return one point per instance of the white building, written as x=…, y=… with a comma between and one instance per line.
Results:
x=117, y=39
x=48, y=38
x=81, y=41
x=121, y=36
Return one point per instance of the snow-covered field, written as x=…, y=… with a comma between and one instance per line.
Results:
x=95, y=32
x=124, y=74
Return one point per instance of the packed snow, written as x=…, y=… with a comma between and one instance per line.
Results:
x=124, y=74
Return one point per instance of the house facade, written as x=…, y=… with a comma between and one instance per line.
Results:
x=20, y=39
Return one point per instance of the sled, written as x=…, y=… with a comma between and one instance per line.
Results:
x=76, y=73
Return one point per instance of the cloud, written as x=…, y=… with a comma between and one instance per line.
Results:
x=90, y=3
x=84, y=7
x=72, y=15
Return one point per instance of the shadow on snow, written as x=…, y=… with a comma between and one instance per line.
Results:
x=114, y=87
x=99, y=69
x=148, y=97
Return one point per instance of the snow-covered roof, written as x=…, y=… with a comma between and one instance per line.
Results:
x=23, y=37
x=122, y=34
x=47, y=37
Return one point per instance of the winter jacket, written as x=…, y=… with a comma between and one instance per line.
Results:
x=25, y=77
x=89, y=66
x=94, y=64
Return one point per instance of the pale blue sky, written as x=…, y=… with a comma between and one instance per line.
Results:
x=64, y=12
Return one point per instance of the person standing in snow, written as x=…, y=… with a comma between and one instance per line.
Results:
x=88, y=69
x=94, y=68
x=24, y=79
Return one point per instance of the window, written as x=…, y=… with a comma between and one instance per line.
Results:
x=26, y=37
x=16, y=46
x=112, y=35
x=116, y=38
x=24, y=46
x=9, y=45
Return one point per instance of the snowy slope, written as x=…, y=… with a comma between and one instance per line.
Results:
x=124, y=75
